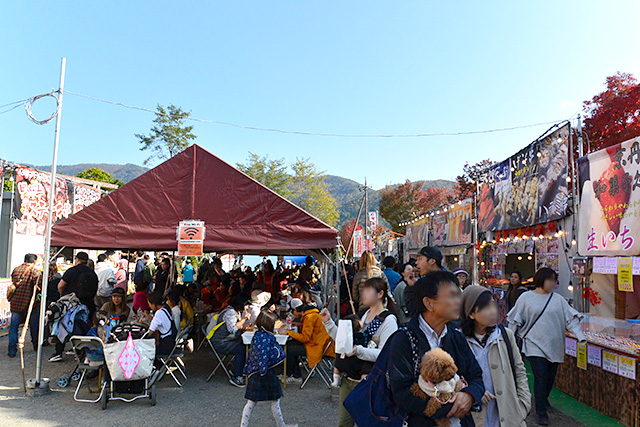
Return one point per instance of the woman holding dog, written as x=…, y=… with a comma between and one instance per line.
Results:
x=507, y=400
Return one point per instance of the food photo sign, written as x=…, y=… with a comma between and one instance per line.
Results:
x=529, y=188
x=610, y=201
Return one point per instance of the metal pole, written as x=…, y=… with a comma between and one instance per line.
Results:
x=47, y=239
x=366, y=213
x=580, y=142
x=338, y=280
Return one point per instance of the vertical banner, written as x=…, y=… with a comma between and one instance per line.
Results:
x=373, y=221
x=358, y=243
x=609, y=223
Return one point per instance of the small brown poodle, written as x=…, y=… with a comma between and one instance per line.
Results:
x=439, y=381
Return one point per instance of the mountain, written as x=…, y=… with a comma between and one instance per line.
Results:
x=347, y=192
x=125, y=173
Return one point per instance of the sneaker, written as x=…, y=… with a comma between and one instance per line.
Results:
x=70, y=353
x=294, y=380
x=238, y=382
x=55, y=358
x=543, y=419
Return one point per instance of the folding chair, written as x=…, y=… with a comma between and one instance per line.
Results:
x=174, y=359
x=81, y=345
x=324, y=368
x=222, y=361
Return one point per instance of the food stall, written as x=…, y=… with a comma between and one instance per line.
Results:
x=609, y=244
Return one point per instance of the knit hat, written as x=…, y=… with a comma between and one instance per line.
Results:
x=469, y=297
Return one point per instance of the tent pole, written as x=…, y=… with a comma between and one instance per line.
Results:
x=337, y=282
x=47, y=239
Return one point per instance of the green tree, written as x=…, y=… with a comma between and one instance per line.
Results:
x=7, y=185
x=169, y=135
x=272, y=173
x=310, y=191
x=100, y=175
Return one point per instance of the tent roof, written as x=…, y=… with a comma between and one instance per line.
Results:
x=240, y=214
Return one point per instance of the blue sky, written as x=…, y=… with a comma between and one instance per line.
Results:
x=332, y=67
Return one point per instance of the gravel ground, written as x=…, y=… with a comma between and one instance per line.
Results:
x=199, y=403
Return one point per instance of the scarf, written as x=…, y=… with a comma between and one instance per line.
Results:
x=434, y=390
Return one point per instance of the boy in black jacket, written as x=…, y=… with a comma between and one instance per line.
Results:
x=438, y=302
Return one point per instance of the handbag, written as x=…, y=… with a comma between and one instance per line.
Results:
x=520, y=340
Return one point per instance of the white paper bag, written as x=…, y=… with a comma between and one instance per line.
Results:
x=344, y=337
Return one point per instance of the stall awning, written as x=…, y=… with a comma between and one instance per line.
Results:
x=240, y=214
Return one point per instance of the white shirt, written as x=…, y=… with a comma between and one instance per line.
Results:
x=434, y=342
x=161, y=322
x=176, y=313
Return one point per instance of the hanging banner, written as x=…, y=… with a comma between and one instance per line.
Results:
x=459, y=224
x=439, y=229
x=417, y=234
x=83, y=196
x=582, y=356
x=373, y=221
x=529, y=188
x=31, y=208
x=610, y=201
x=358, y=244
x=625, y=275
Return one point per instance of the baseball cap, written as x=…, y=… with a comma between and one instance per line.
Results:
x=433, y=253
x=117, y=291
x=82, y=256
x=295, y=303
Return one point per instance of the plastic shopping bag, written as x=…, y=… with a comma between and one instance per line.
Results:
x=344, y=337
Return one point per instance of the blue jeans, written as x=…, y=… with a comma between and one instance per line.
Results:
x=16, y=320
x=240, y=353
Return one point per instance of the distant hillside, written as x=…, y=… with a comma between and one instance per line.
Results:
x=345, y=191
x=347, y=194
x=125, y=173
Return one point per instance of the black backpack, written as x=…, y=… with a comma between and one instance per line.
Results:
x=87, y=286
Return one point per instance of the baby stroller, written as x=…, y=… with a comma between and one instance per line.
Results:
x=126, y=364
x=129, y=363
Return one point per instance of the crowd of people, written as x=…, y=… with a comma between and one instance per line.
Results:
x=396, y=314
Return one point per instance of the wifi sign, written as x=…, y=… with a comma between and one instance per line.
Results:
x=191, y=231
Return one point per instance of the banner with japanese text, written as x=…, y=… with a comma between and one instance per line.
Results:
x=609, y=223
x=529, y=188
x=439, y=229
x=459, y=223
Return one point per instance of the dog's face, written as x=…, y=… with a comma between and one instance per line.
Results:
x=437, y=365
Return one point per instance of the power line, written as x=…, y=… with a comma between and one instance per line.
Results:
x=341, y=135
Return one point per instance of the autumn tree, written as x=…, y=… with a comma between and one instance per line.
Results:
x=97, y=174
x=466, y=183
x=613, y=116
x=305, y=186
x=272, y=173
x=168, y=136
x=409, y=200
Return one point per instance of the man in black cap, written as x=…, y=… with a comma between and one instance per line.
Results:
x=429, y=260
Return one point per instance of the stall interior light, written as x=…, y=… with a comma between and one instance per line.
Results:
x=573, y=242
x=455, y=259
x=535, y=238
x=570, y=288
x=539, y=154
x=529, y=257
x=520, y=258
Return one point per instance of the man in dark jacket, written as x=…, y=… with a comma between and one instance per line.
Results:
x=429, y=260
x=438, y=302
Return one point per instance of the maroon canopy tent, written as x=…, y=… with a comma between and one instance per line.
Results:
x=240, y=214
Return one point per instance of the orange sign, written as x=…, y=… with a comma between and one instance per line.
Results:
x=190, y=249
x=190, y=236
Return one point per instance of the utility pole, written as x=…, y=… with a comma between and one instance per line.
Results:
x=366, y=213
x=47, y=240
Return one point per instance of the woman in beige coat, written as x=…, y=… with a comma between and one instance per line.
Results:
x=507, y=400
x=368, y=270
